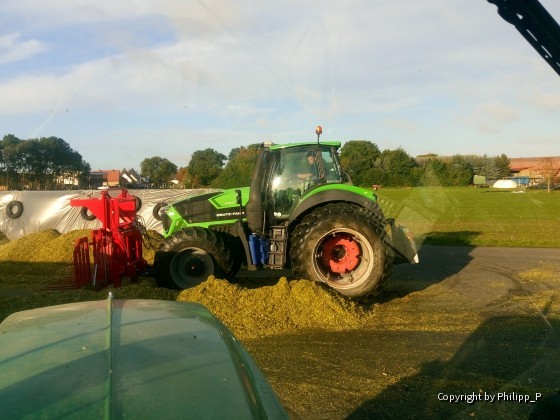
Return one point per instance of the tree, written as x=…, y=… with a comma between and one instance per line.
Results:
x=459, y=172
x=357, y=158
x=502, y=164
x=434, y=173
x=157, y=171
x=9, y=161
x=397, y=166
x=548, y=169
x=184, y=178
x=205, y=166
x=53, y=162
x=48, y=162
x=239, y=168
x=485, y=166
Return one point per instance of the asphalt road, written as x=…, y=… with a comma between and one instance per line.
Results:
x=466, y=323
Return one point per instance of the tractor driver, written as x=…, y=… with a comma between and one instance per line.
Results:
x=310, y=171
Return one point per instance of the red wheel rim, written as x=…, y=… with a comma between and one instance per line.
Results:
x=340, y=253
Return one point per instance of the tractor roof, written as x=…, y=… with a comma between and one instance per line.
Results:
x=305, y=144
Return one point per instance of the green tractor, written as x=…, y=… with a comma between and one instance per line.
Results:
x=300, y=212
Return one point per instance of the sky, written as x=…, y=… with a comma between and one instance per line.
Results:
x=126, y=80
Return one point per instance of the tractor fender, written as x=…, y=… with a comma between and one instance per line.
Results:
x=329, y=196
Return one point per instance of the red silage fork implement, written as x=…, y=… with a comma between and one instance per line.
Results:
x=116, y=247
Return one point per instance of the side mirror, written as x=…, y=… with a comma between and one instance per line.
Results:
x=238, y=198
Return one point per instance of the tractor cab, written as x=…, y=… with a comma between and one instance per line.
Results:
x=293, y=170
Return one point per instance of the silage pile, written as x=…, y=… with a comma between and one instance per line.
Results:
x=51, y=246
x=284, y=308
x=46, y=246
x=3, y=238
x=287, y=307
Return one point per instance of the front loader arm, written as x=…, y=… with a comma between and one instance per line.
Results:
x=536, y=25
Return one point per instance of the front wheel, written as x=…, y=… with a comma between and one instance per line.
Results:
x=342, y=245
x=190, y=256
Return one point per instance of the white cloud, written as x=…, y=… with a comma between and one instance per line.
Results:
x=13, y=48
x=61, y=12
x=498, y=112
x=550, y=102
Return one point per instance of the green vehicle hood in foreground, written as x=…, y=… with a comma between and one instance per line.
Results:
x=128, y=358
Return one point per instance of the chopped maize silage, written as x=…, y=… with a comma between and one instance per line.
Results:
x=152, y=241
x=51, y=246
x=287, y=307
x=3, y=238
x=33, y=247
x=543, y=273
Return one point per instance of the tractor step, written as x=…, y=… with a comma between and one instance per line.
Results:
x=277, y=247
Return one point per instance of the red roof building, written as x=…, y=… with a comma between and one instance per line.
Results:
x=533, y=167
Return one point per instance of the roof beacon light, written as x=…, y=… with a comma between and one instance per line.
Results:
x=318, y=131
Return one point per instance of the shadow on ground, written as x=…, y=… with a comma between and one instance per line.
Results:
x=507, y=358
x=436, y=264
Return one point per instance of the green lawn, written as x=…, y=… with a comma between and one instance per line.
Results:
x=473, y=216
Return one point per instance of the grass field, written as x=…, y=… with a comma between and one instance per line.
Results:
x=478, y=217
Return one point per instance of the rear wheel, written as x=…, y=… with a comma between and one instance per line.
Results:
x=342, y=245
x=190, y=256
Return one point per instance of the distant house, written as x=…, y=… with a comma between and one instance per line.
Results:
x=104, y=179
x=96, y=179
x=531, y=168
x=113, y=178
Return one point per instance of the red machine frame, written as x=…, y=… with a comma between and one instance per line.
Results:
x=116, y=247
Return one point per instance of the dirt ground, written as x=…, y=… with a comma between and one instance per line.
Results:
x=469, y=332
